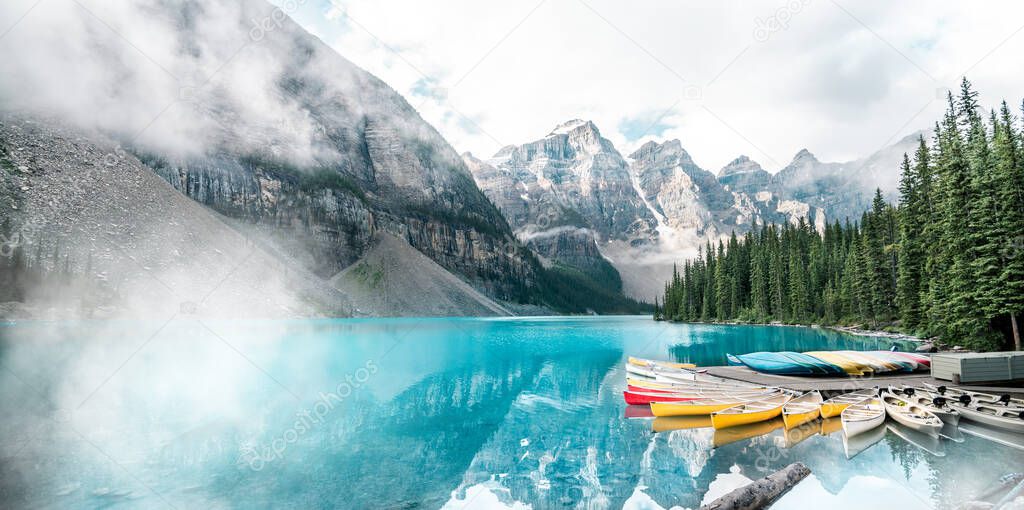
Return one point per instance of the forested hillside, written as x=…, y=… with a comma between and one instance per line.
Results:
x=946, y=261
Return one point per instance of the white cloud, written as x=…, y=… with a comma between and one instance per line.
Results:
x=839, y=78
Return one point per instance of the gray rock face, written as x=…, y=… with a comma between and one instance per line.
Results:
x=566, y=193
x=684, y=194
x=572, y=176
x=659, y=205
x=745, y=175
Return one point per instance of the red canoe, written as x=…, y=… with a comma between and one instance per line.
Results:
x=921, y=360
x=641, y=398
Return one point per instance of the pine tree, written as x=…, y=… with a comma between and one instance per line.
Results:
x=1008, y=174
x=797, y=286
x=722, y=284
x=908, y=284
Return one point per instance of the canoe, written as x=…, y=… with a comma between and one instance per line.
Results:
x=993, y=415
x=641, y=362
x=686, y=385
x=697, y=407
x=729, y=435
x=976, y=396
x=669, y=423
x=755, y=411
x=943, y=411
x=644, y=388
x=923, y=361
x=894, y=363
x=802, y=409
x=834, y=406
x=692, y=376
x=906, y=365
x=876, y=364
x=911, y=415
x=848, y=365
x=820, y=366
x=774, y=363
x=863, y=416
x=644, y=398
x=930, y=443
x=733, y=361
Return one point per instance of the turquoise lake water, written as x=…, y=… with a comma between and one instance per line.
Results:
x=416, y=413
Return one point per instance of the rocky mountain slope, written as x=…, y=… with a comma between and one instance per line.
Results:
x=71, y=209
x=395, y=280
x=567, y=197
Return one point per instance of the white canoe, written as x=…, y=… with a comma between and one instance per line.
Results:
x=945, y=413
x=687, y=385
x=863, y=416
x=993, y=415
x=641, y=362
x=911, y=415
x=976, y=396
x=656, y=372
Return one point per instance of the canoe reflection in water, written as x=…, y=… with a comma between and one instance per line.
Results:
x=854, y=445
x=927, y=442
x=670, y=423
x=740, y=432
x=795, y=435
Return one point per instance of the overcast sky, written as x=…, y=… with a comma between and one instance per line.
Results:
x=765, y=79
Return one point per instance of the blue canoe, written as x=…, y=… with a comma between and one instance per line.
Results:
x=786, y=363
x=820, y=366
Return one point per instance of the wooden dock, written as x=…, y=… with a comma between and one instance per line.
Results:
x=841, y=384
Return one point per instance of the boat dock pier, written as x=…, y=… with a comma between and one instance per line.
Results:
x=841, y=384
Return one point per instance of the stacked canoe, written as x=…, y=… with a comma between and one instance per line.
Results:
x=830, y=363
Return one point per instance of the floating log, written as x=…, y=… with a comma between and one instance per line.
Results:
x=761, y=493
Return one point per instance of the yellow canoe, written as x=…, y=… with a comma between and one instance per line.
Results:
x=877, y=364
x=749, y=412
x=802, y=409
x=834, y=406
x=850, y=366
x=640, y=362
x=667, y=423
x=700, y=406
x=723, y=437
